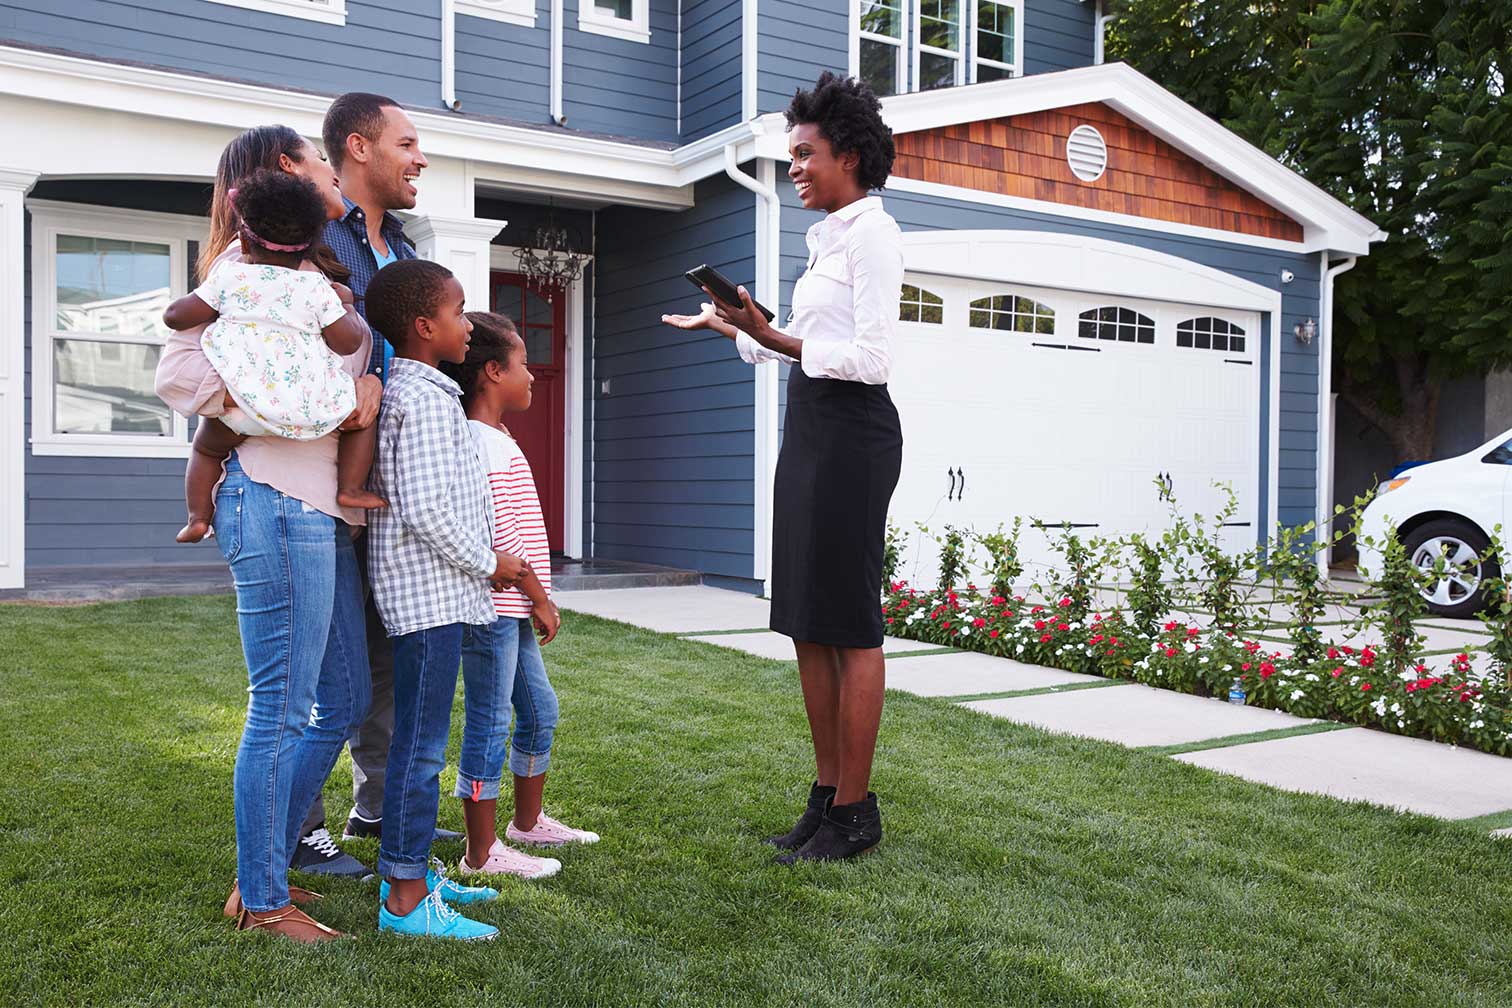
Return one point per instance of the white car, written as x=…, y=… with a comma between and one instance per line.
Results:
x=1450, y=508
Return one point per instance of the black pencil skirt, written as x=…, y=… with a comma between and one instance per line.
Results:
x=842, y=448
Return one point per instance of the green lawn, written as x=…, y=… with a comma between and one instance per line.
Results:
x=1019, y=868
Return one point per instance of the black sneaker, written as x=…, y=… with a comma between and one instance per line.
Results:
x=318, y=854
x=358, y=828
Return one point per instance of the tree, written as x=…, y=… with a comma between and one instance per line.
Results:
x=1399, y=109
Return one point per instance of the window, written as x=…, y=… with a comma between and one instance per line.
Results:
x=520, y=12
x=1120, y=325
x=327, y=11
x=937, y=44
x=1209, y=333
x=881, y=45
x=919, y=305
x=100, y=281
x=1013, y=313
x=626, y=19
x=996, y=34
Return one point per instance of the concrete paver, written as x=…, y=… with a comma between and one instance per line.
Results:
x=689, y=609
x=775, y=645
x=966, y=673
x=1361, y=764
x=1136, y=715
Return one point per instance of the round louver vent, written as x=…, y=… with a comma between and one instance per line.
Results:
x=1086, y=153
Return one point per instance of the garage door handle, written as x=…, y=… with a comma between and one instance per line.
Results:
x=950, y=494
x=961, y=493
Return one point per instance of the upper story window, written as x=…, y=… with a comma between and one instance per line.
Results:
x=327, y=11
x=881, y=46
x=520, y=12
x=997, y=33
x=626, y=19
x=938, y=52
x=100, y=281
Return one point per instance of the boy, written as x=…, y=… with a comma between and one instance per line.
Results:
x=430, y=563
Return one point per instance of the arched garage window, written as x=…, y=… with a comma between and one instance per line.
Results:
x=1120, y=325
x=920, y=305
x=1013, y=313
x=1208, y=333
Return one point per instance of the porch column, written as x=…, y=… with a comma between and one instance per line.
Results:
x=461, y=245
x=14, y=185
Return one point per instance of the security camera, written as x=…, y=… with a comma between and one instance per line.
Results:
x=1287, y=276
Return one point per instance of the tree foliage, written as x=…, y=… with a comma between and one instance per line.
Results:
x=1399, y=109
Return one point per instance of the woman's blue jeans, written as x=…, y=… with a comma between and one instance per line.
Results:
x=299, y=608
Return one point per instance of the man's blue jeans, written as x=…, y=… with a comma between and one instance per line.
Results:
x=290, y=563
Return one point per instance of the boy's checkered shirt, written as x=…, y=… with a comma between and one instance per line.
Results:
x=431, y=554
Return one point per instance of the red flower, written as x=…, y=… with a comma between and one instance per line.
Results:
x=1170, y=652
x=889, y=621
x=1096, y=639
x=979, y=622
x=1171, y=625
x=1040, y=624
x=1060, y=626
x=946, y=624
x=996, y=600
x=1245, y=666
x=1365, y=687
x=1333, y=653
x=1065, y=603
x=1044, y=638
x=992, y=633
x=1267, y=670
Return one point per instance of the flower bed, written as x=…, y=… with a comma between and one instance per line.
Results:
x=1445, y=704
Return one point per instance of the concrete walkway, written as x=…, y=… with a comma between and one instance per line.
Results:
x=1277, y=749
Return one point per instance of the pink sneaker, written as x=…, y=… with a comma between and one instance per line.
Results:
x=504, y=860
x=547, y=832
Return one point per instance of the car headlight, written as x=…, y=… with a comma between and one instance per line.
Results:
x=1390, y=485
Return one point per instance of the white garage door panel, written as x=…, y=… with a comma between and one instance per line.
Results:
x=1068, y=435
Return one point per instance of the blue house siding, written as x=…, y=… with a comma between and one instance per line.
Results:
x=795, y=42
x=1298, y=393
x=711, y=36
x=617, y=86
x=1058, y=35
x=388, y=46
x=505, y=69
x=99, y=511
x=673, y=411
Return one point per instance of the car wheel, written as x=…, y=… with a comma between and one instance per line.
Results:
x=1462, y=545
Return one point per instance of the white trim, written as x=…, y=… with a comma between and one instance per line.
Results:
x=1326, y=400
x=749, y=68
x=1327, y=223
x=1017, y=69
x=502, y=257
x=899, y=44
x=1088, y=214
x=635, y=28
x=49, y=219
x=517, y=12
x=14, y=185
x=332, y=12
x=769, y=284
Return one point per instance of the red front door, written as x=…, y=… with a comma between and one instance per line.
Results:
x=540, y=430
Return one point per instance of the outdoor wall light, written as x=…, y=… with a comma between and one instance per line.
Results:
x=1305, y=332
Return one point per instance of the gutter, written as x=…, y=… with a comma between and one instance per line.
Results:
x=1325, y=404
x=449, y=55
x=557, y=115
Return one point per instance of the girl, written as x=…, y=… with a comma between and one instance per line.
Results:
x=275, y=334
x=505, y=669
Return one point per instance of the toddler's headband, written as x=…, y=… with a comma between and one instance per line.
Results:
x=253, y=236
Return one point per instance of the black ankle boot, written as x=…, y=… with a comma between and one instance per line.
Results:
x=847, y=830
x=819, y=800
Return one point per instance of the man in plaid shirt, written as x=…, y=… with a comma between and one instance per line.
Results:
x=430, y=561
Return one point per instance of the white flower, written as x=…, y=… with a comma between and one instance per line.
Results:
x=1297, y=694
x=965, y=631
x=1020, y=649
x=1310, y=677
x=1202, y=660
x=1379, y=707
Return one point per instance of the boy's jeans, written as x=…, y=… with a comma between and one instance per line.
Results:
x=425, y=683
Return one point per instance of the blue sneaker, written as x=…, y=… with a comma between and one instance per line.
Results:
x=434, y=919
x=451, y=891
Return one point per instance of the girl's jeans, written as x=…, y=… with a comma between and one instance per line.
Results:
x=502, y=670
x=299, y=611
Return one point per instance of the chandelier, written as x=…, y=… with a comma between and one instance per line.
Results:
x=549, y=260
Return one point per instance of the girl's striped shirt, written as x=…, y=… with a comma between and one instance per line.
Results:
x=519, y=527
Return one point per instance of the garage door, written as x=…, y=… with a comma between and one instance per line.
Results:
x=1069, y=408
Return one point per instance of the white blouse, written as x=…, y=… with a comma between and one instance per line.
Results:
x=846, y=303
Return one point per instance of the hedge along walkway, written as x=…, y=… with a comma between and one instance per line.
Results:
x=1292, y=753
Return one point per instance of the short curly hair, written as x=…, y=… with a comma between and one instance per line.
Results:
x=849, y=116
x=402, y=292
x=279, y=207
x=493, y=337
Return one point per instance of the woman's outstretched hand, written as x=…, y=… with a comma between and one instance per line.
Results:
x=707, y=318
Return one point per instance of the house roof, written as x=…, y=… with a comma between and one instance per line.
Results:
x=1327, y=223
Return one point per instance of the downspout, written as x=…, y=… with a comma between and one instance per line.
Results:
x=768, y=289
x=1325, y=406
x=1099, y=31
x=449, y=55
x=557, y=115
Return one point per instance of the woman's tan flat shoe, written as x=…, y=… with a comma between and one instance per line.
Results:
x=233, y=907
x=292, y=923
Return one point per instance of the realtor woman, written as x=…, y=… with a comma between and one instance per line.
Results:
x=841, y=451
